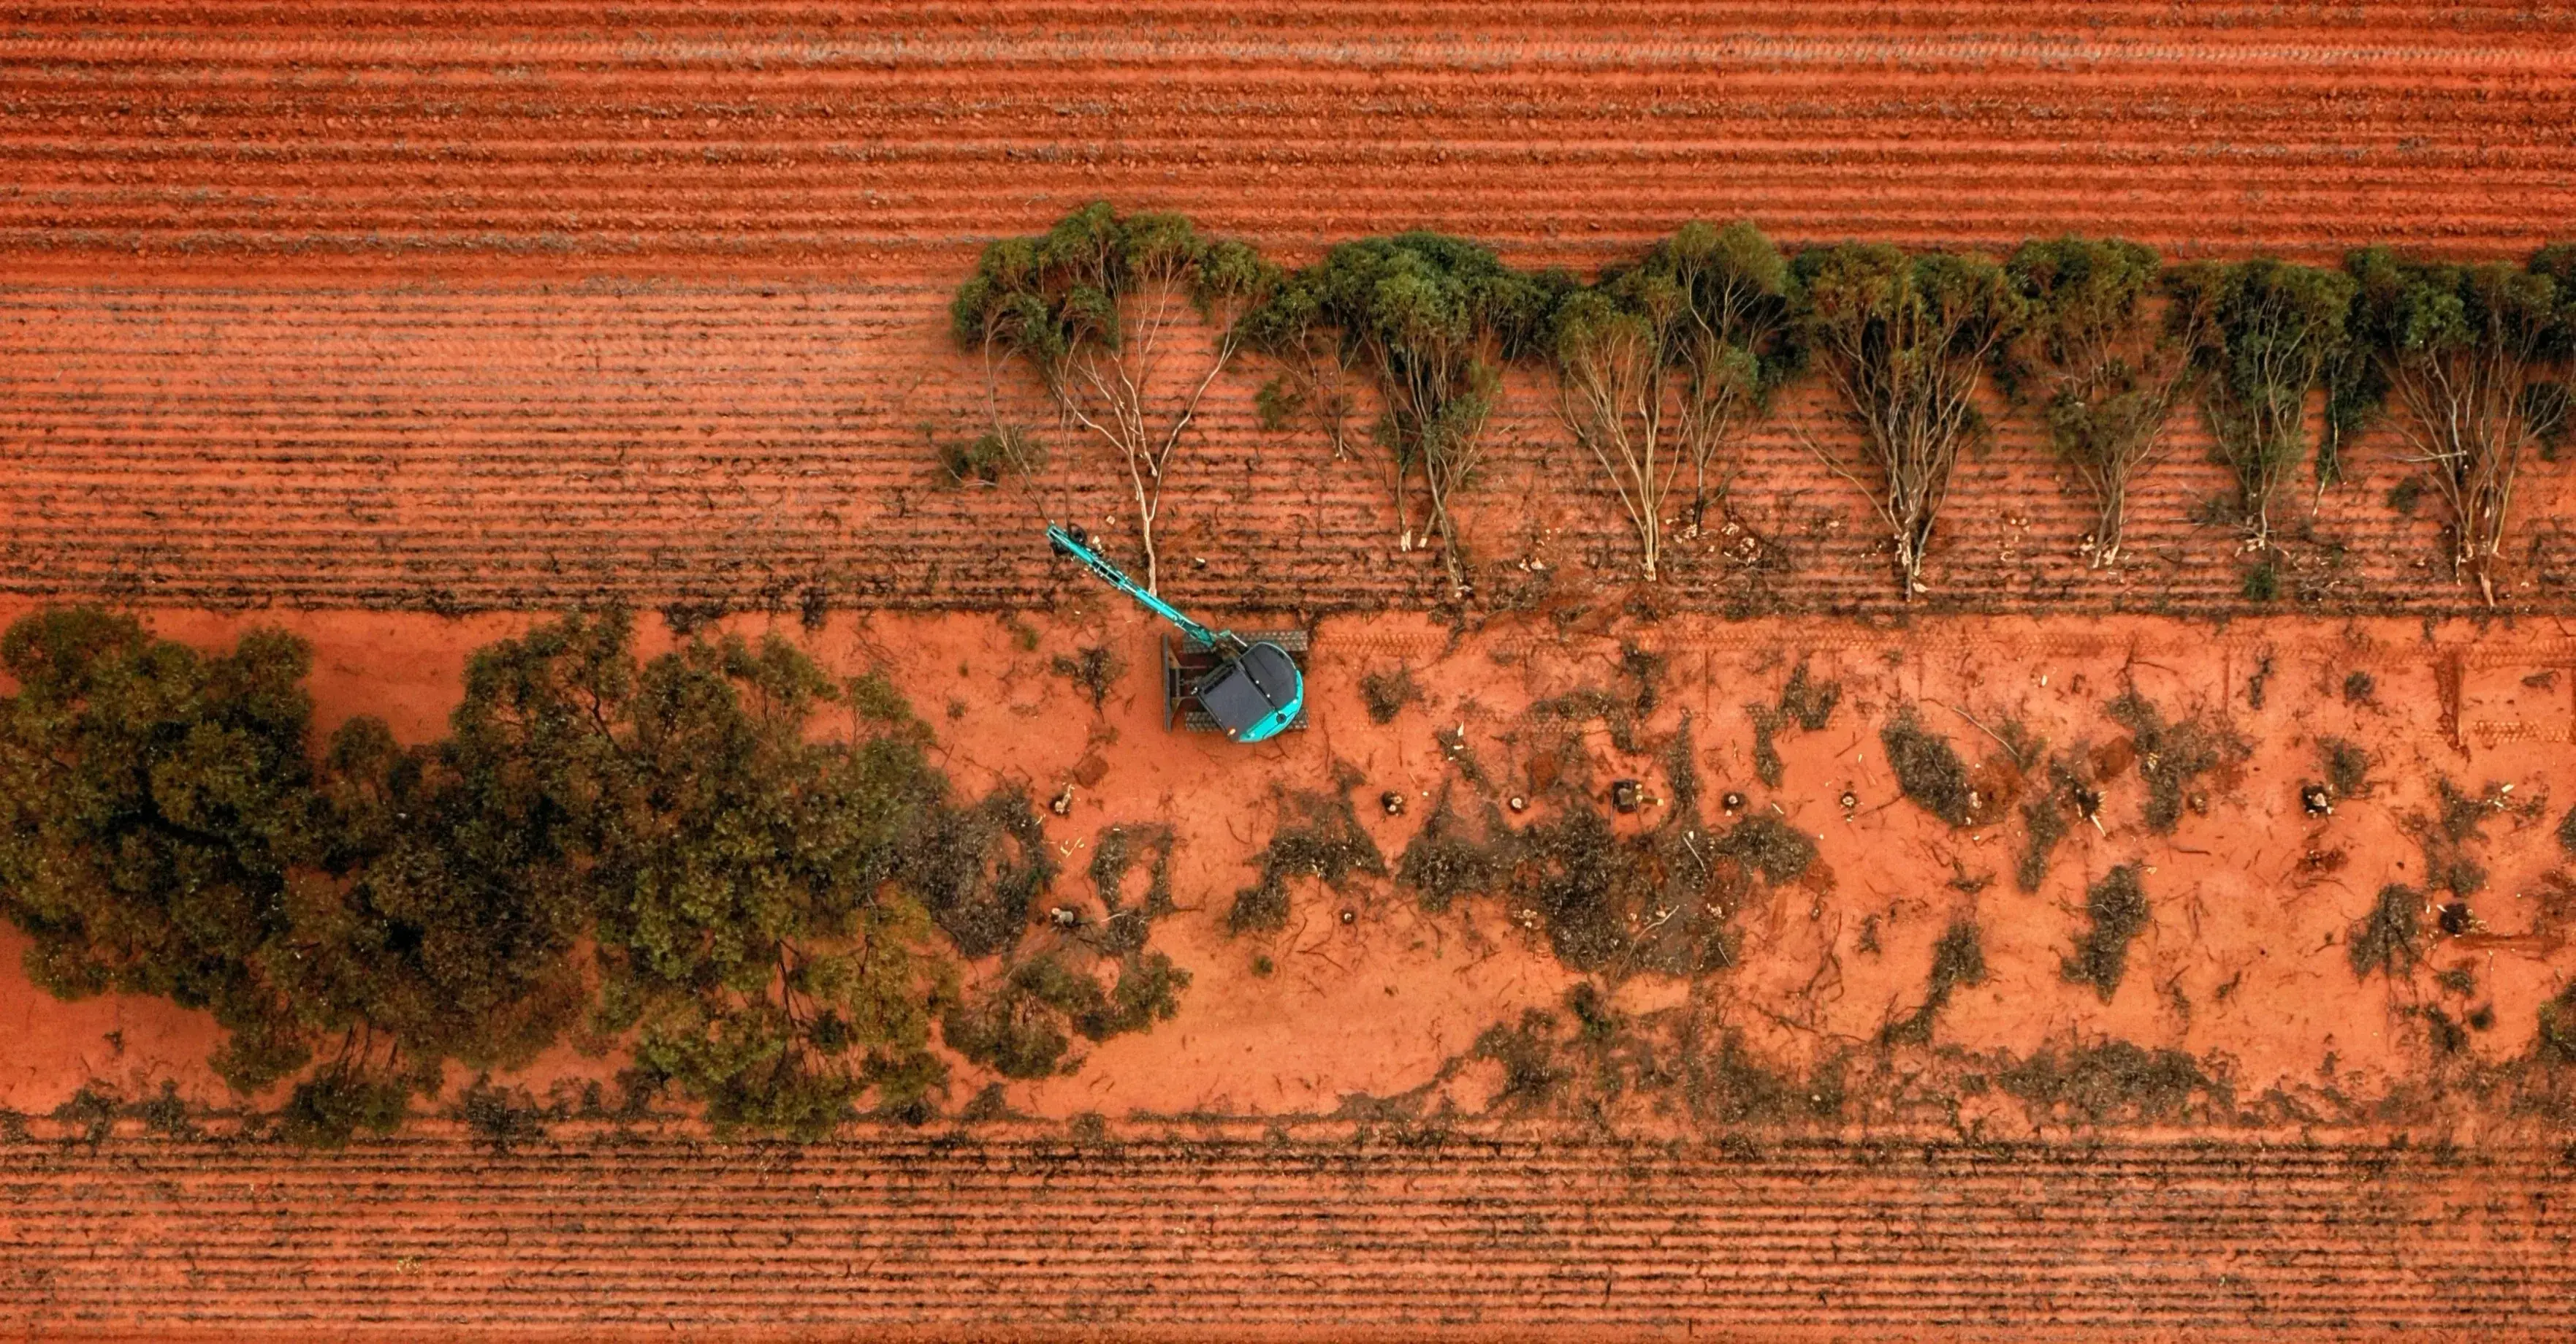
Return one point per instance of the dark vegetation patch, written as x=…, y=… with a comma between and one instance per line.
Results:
x=2117, y=1082
x=2116, y=907
x=1386, y=693
x=1805, y=704
x=2172, y=756
x=1113, y=853
x=1018, y=1026
x=1781, y=853
x=501, y=1118
x=981, y=867
x=2347, y=766
x=328, y=1109
x=1318, y=836
x=1959, y=958
x=1929, y=770
x=991, y=457
x=1585, y=704
x=1094, y=671
x=1527, y=1051
x=2390, y=939
x=2556, y=1043
x=2049, y=813
x=2452, y=834
x=1661, y=900
x=1448, y=858
x=764, y=904
x=1592, y=1058
x=2261, y=581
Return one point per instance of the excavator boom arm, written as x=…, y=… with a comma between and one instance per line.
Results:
x=1067, y=543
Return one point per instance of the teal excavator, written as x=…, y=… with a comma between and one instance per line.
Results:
x=1250, y=690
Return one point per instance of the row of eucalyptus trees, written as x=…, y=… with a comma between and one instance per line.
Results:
x=1392, y=350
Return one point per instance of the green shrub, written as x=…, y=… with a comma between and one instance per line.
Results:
x=503, y=1118
x=1658, y=362
x=2461, y=350
x=1023, y=1025
x=329, y=1108
x=2262, y=581
x=1092, y=310
x=993, y=456
x=1430, y=321
x=156, y=809
x=760, y=899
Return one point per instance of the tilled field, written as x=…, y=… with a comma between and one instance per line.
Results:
x=514, y=306
x=468, y=306
x=1496, y=1238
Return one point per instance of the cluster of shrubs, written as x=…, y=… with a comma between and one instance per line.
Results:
x=660, y=853
x=1392, y=351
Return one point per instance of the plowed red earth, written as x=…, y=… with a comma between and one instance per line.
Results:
x=468, y=306
x=1183, y=1237
x=476, y=305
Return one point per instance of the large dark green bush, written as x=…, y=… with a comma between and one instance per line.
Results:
x=764, y=901
x=160, y=828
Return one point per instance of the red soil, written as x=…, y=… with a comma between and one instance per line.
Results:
x=474, y=306
x=465, y=307
x=1196, y=1236
x=2244, y=960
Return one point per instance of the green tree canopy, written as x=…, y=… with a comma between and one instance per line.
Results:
x=156, y=809
x=1095, y=308
x=2472, y=356
x=1657, y=362
x=2110, y=377
x=1430, y=320
x=2264, y=332
x=1902, y=339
